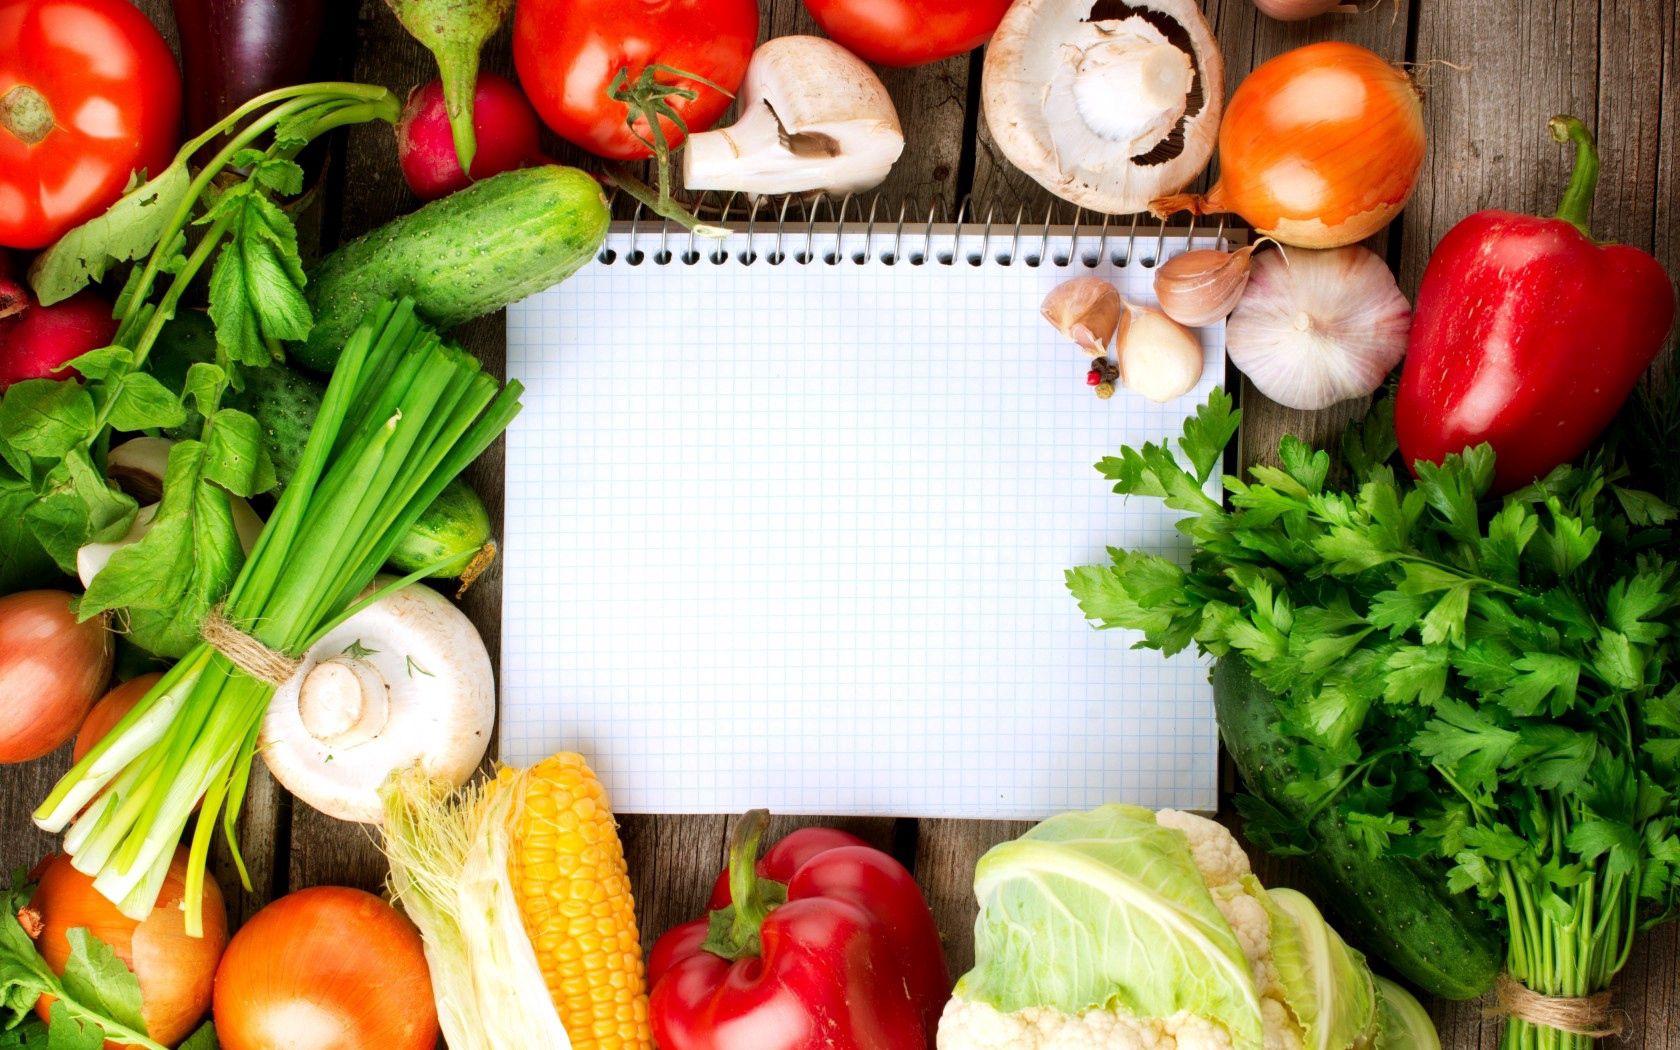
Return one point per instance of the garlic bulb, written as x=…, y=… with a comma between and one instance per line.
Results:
x=1319, y=327
x=1201, y=287
x=1086, y=310
x=1158, y=358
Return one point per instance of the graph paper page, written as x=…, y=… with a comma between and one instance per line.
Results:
x=794, y=536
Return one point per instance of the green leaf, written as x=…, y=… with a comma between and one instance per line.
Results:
x=1209, y=432
x=76, y=506
x=1107, y=909
x=1306, y=466
x=143, y=403
x=1416, y=675
x=1619, y=842
x=1552, y=757
x=30, y=1035
x=103, y=362
x=46, y=417
x=1369, y=443
x=23, y=561
x=1445, y=622
x=205, y=384
x=1454, y=487
x=1375, y=830
x=1618, y=662
x=96, y=979
x=1466, y=741
x=181, y=568
x=129, y=229
x=236, y=457
x=1541, y=681
x=66, y=1031
x=1326, y=984
x=256, y=288
x=1633, y=606
x=203, y=1039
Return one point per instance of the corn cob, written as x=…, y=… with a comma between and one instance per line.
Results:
x=573, y=887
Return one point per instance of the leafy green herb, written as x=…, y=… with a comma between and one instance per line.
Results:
x=403, y=415
x=53, y=434
x=1495, y=684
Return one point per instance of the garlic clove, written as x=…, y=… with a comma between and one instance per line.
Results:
x=1319, y=328
x=1202, y=287
x=1158, y=357
x=1086, y=310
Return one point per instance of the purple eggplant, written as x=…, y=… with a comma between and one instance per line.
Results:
x=234, y=50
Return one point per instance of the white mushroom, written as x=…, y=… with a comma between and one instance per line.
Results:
x=138, y=466
x=405, y=682
x=813, y=117
x=1108, y=114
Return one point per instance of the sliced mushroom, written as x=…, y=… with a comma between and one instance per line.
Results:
x=405, y=682
x=1106, y=112
x=813, y=117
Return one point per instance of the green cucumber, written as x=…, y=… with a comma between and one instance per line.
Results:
x=285, y=404
x=470, y=254
x=1398, y=910
x=455, y=526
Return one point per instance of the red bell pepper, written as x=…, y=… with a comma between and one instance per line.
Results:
x=1528, y=334
x=825, y=944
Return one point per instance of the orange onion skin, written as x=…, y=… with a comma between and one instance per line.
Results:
x=176, y=972
x=109, y=711
x=327, y=968
x=52, y=669
x=1320, y=148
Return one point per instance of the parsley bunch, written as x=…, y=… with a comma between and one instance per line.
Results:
x=214, y=209
x=1494, y=684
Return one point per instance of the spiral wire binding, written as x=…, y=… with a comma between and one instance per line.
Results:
x=752, y=215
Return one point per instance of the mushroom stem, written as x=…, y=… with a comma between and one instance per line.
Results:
x=344, y=701
x=1133, y=91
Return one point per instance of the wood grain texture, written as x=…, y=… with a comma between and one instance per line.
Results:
x=1494, y=71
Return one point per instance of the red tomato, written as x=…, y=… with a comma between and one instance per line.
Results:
x=569, y=52
x=89, y=94
x=908, y=32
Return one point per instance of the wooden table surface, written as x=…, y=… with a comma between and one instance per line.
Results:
x=1493, y=70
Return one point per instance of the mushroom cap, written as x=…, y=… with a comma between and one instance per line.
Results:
x=441, y=695
x=814, y=116
x=1040, y=120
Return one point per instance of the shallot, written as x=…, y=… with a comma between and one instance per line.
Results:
x=1319, y=327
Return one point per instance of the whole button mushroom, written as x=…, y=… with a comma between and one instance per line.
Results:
x=404, y=682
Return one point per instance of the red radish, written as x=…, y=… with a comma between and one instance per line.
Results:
x=504, y=122
x=35, y=340
x=13, y=296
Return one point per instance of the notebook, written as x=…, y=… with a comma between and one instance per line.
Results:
x=787, y=519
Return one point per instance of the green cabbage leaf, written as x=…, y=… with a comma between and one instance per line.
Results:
x=1327, y=984
x=1106, y=910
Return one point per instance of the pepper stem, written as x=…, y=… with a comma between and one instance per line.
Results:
x=26, y=114
x=1576, y=208
x=733, y=932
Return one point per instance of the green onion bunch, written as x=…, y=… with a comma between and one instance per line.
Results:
x=403, y=415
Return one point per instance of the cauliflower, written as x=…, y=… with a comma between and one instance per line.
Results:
x=1120, y=929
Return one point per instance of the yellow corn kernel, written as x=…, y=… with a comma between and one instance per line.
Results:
x=574, y=895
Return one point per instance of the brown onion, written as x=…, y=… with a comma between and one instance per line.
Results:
x=175, y=971
x=52, y=669
x=109, y=711
x=326, y=969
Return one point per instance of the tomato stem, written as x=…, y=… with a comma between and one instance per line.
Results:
x=26, y=114
x=647, y=101
x=1576, y=208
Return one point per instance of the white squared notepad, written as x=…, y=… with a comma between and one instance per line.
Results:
x=794, y=536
